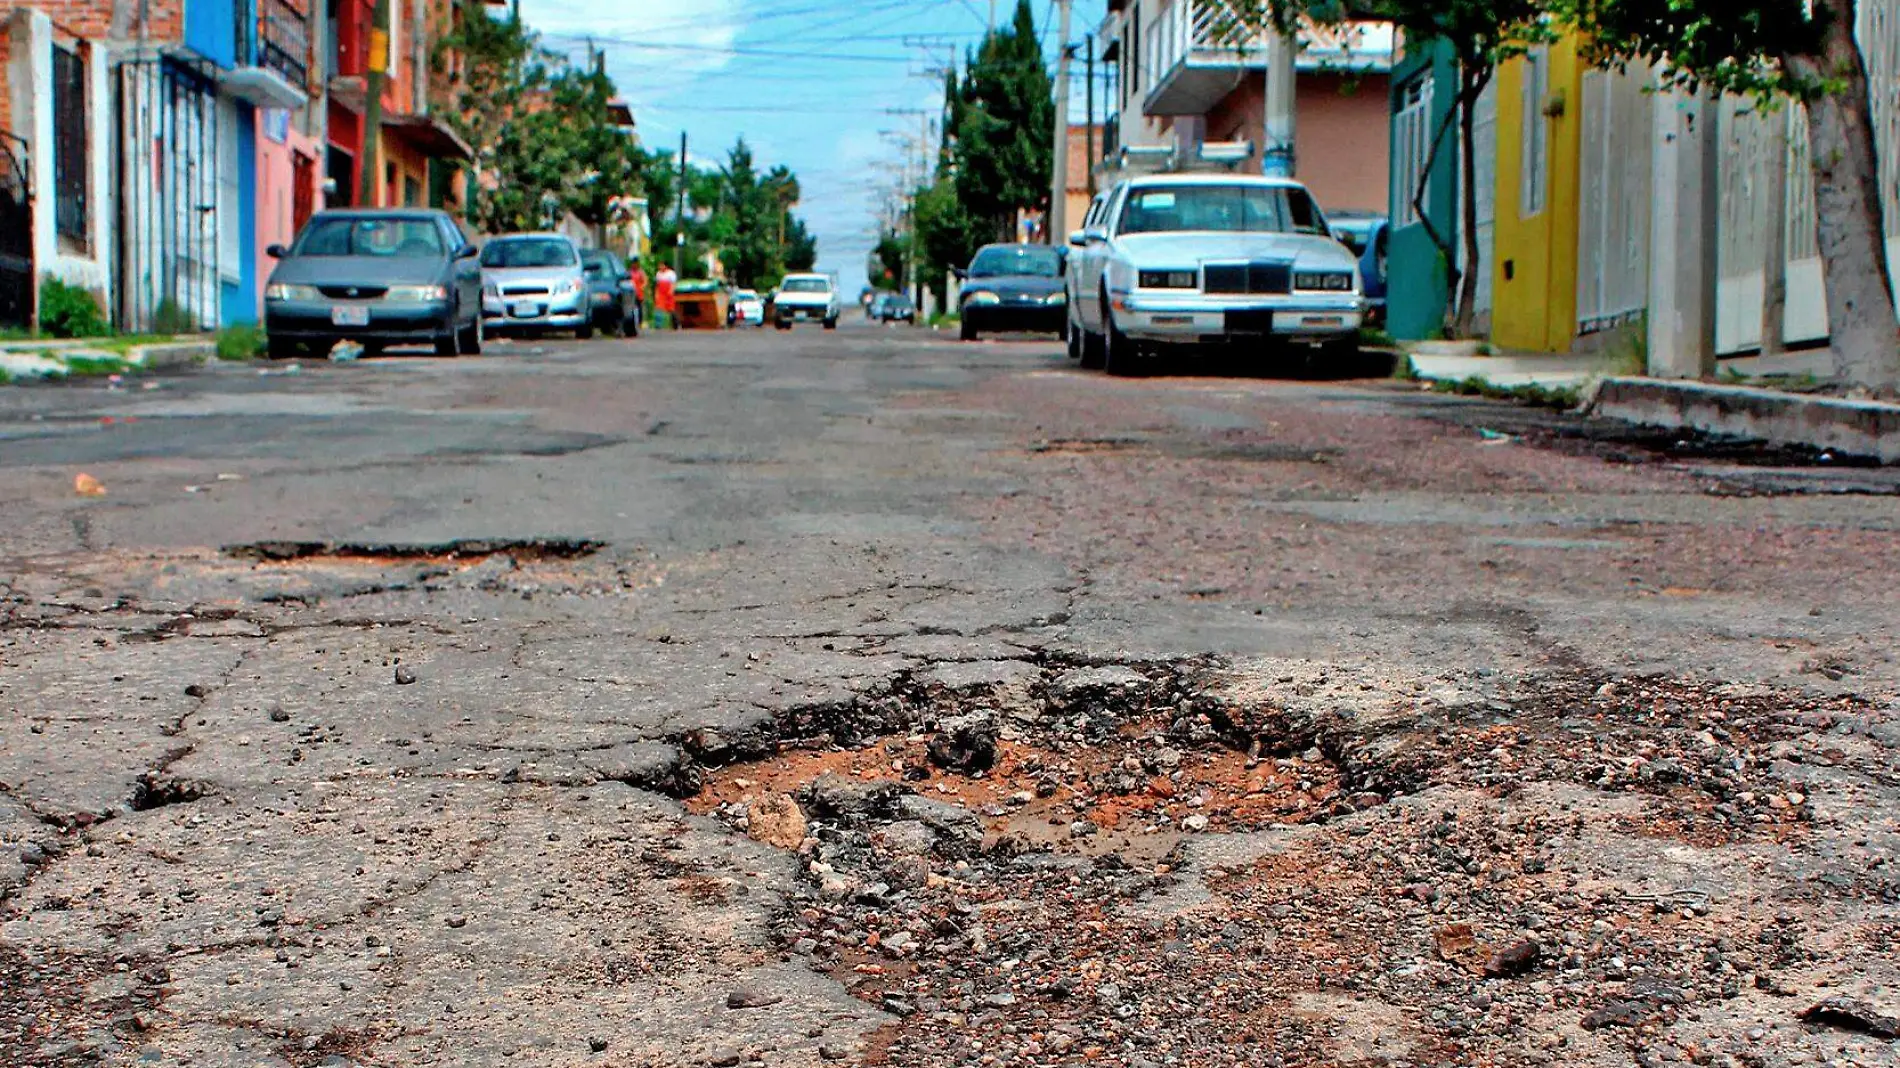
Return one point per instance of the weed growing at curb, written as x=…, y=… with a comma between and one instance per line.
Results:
x=1560, y=398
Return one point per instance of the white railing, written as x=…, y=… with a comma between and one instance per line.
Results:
x=1216, y=30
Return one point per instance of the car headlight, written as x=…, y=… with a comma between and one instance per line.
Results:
x=288, y=291
x=1323, y=281
x=568, y=288
x=490, y=289
x=981, y=296
x=1166, y=280
x=416, y=294
x=1056, y=298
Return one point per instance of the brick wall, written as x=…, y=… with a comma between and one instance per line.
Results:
x=92, y=19
x=6, y=73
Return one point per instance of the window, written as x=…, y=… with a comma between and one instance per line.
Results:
x=70, y=158
x=1411, y=149
x=303, y=190
x=529, y=252
x=1221, y=209
x=1534, y=176
x=1005, y=261
x=392, y=237
x=807, y=285
x=411, y=192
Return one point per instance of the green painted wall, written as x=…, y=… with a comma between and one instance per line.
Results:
x=1419, y=279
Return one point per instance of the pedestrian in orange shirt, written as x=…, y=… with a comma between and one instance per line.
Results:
x=638, y=276
x=663, y=298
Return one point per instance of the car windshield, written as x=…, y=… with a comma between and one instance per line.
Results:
x=807, y=285
x=597, y=264
x=745, y=294
x=1005, y=261
x=528, y=252
x=1247, y=209
x=418, y=239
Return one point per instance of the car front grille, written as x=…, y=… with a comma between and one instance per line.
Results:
x=353, y=292
x=1251, y=278
x=524, y=291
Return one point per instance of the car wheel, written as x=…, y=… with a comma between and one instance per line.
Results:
x=584, y=331
x=1119, y=357
x=831, y=324
x=469, y=341
x=1074, y=336
x=967, y=331
x=446, y=343
x=282, y=349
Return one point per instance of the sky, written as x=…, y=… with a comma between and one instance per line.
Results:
x=808, y=84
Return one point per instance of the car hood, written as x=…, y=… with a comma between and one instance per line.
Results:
x=358, y=270
x=1015, y=285
x=1193, y=249
x=525, y=276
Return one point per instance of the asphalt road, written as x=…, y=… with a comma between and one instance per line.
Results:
x=480, y=712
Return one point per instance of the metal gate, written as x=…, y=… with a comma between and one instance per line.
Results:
x=1755, y=141
x=1614, y=207
x=16, y=234
x=169, y=160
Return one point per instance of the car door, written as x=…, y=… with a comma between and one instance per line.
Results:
x=1092, y=262
x=466, y=270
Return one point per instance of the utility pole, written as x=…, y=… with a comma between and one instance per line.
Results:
x=679, y=219
x=1774, y=305
x=1056, y=222
x=1277, y=157
x=377, y=74
x=1089, y=157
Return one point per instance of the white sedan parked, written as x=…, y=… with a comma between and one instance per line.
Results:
x=1201, y=259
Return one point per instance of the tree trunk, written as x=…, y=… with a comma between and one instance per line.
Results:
x=1860, y=305
x=1474, y=83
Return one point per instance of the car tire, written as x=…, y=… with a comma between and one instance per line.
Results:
x=1077, y=342
x=967, y=331
x=282, y=349
x=448, y=342
x=469, y=341
x=1119, y=357
x=831, y=324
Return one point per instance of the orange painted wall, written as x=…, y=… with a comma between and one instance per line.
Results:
x=1344, y=144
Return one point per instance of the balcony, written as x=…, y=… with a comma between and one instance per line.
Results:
x=1199, y=51
x=273, y=69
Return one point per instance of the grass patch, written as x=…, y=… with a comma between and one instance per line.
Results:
x=1371, y=337
x=92, y=366
x=945, y=319
x=1560, y=398
x=245, y=341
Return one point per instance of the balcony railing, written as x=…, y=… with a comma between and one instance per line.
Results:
x=1197, y=43
x=283, y=40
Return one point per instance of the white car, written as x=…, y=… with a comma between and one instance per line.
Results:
x=1198, y=259
x=806, y=298
x=748, y=308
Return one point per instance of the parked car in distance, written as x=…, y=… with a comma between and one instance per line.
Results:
x=894, y=308
x=1199, y=259
x=748, y=308
x=610, y=292
x=535, y=282
x=806, y=298
x=1369, y=235
x=1014, y=288
x=379, y=277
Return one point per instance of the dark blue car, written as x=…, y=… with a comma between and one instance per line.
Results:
x=1368, y=235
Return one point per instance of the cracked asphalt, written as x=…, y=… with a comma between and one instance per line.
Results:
x=865, y=697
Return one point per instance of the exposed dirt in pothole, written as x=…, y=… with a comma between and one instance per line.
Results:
x=463, y=550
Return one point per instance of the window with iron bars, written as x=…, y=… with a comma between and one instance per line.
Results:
x=70, y=157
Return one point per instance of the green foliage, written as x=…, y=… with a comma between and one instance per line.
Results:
x=93, y=366
x=1560, y=398
x=245, y=341
x=171, y=319
x=734, y=211
x=999, y=126
x=1760, y=47
x=892, y=255
x=69, y=311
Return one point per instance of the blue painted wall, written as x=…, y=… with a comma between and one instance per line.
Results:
x=1419, y=286
x=211, y=29
x=239, y=302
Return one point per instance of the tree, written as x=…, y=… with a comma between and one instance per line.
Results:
x=1002, y=114
x=892, y=254
x=1807, y=52
x=1481, y=34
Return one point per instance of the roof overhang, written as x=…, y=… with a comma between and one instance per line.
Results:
x=429, y=134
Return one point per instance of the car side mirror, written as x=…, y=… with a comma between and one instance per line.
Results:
x=277, y=252
x=1095, y=235
x=467, y=252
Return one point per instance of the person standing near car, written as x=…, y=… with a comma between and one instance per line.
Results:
x=637, y=276
x=663, y=301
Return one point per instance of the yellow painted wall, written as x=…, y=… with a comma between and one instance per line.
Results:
x=1534, y=266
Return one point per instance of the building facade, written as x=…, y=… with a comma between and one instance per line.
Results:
x=1189, y=72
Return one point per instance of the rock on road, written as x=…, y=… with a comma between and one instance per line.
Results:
x=867, y=698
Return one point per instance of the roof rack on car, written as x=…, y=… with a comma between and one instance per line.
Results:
x=1161, y=159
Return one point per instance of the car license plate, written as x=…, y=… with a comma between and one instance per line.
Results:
x=1250, y=321
x=525, y=309
x=349, y=315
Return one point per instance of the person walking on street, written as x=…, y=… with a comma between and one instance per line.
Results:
x=663, y=299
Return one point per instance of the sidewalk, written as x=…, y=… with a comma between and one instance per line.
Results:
x=37, y=358
x=1441, y=361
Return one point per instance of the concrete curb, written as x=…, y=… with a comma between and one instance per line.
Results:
x=1851, y=427
x=40, y=359
x=171, y=355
